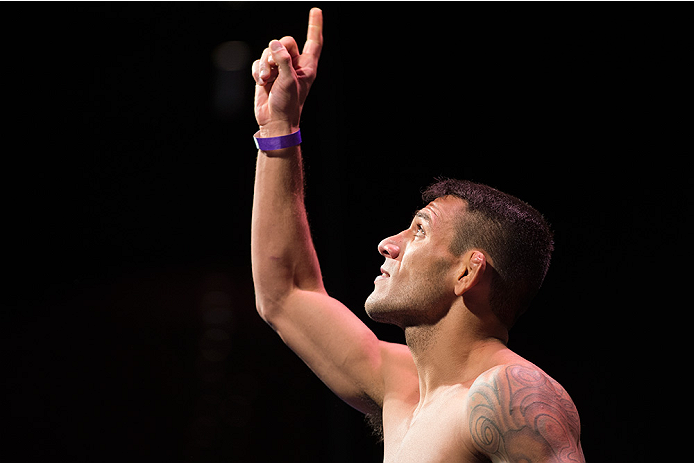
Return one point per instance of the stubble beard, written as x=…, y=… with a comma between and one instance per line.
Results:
x=421, y=302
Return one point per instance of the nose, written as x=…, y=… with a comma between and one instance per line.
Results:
x=389, y=248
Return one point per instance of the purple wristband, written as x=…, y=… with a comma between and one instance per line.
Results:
x=276, y=143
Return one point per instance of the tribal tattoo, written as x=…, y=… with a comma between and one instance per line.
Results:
x=518, y=414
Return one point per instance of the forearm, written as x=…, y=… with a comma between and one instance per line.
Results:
x=290, y=296
x=282, y=253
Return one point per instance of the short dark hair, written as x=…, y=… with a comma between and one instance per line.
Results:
x=516, y=237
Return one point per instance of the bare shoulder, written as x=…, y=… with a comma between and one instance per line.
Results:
x=519, y=413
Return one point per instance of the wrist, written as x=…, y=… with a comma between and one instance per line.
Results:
x=277, y=143
x=277, y=129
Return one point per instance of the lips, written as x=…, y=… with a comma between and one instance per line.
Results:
x=382, y=276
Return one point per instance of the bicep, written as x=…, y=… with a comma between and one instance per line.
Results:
x=517, y=413
x=341, y=350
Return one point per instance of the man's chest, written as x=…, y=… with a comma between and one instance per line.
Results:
x=438, y=432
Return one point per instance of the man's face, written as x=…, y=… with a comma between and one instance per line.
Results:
x=417, y=282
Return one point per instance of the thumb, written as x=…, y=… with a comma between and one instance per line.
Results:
x=281, y=57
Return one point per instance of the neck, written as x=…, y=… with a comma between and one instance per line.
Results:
x=455, y=350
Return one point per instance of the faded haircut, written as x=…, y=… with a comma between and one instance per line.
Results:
x=516, y=237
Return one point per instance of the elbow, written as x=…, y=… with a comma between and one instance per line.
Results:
x=268, y=308
x=262, y=308
x=269, y=296
x=272, y=285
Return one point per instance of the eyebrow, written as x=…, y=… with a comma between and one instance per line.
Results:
x=423, y=215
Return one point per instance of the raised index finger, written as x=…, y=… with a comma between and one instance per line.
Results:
x=314, y=36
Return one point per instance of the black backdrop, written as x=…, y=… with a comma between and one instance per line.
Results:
x=128, y=313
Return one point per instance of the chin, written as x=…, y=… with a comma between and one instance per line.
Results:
x=385, y=309
x=409, y=306
x=377, y=308
x=371, y=305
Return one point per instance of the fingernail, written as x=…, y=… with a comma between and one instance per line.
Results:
x=275, y=45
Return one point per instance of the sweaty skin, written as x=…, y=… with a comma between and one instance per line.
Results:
x=455, y=392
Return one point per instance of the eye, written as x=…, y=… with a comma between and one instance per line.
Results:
x=419, y=231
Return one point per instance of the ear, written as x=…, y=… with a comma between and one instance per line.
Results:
x=474, y=265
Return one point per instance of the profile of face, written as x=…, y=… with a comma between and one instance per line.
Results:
x=418, y=278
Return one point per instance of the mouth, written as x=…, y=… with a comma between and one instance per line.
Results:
x=382, y=276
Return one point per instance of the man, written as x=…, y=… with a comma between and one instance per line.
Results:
x=455, y=281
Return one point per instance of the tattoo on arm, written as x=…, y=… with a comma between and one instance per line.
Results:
x=519, y=414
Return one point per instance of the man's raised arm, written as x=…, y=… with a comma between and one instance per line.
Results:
x=290, y=295
x=283, y=256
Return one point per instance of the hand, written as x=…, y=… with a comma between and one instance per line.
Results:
x=284, y=77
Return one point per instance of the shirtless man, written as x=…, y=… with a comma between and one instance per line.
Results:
x=455, y=281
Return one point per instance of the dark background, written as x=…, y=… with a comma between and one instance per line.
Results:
x=129, y=325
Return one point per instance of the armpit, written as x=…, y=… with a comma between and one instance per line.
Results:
x=517, y=413
x=375, y=422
